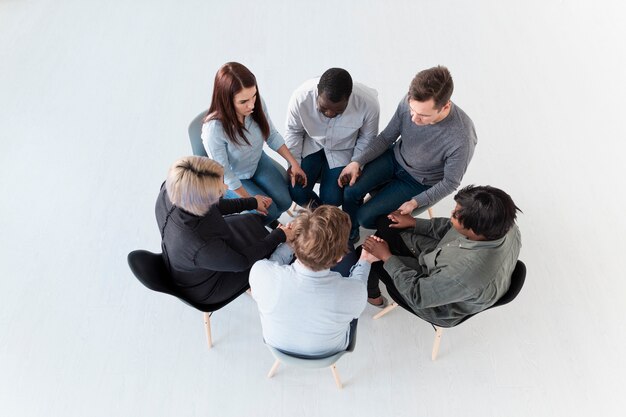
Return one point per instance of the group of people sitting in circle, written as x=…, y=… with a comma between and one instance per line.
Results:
x=218, y=215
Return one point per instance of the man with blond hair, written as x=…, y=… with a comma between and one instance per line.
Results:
x=307, y=309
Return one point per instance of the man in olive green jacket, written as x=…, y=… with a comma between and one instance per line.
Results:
x=446, y=269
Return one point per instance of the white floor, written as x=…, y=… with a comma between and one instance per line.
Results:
x=95, y=98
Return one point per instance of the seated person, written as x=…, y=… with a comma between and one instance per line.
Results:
x=446, y=269
x=419, y=158
x=209, y=256
x=330, y=121
x=234, y=132
x=305, y=308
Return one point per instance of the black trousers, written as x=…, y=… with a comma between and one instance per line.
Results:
x=378, y=273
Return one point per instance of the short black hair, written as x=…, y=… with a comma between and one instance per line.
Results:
x=336, y=84
x=488, y=211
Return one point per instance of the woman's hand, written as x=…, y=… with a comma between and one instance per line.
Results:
x=297, y=176
x=263, y=203
x=289, y=233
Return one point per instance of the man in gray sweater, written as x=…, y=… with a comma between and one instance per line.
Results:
x=446, y=269
x=436, y=143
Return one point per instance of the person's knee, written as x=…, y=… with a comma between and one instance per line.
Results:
x=366, y=218
x=331, y=194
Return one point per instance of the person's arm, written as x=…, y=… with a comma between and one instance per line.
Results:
x=294, y=130
x=434, y=228
x=422, y=290
x=372, y=149
x=236, y=205
x=454, y=168
x=369, y=130
x=382, y=142
x=295, y=172
x=216, y=144
x=219, y=256
x=282, y=255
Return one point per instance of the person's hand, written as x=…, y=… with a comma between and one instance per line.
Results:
x=289, y=233
x=401, y=221
x=297, y=176
x=407, y=207
x=377, y=247
x=368, y=257
x=263, y=203
x=349, y=174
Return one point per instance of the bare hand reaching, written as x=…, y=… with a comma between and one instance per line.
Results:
x=349, y=174
x=289, y=233
x=401, y=221
x=368, y=257
x=377, y=247
x=263, y=203
x=407, y=207
x=297, y=176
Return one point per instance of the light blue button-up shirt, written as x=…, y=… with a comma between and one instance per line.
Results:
x=239, y=160
x=304, y=311
x=343, y=137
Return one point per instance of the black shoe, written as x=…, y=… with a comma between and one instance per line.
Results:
x=354, y=236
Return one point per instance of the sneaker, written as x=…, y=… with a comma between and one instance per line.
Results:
x=383, y=303
x=354, y=236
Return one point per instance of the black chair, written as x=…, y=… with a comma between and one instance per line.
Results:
x=150, y=270
x=518, y=277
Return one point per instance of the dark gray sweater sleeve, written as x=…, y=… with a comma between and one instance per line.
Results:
x=381, y=143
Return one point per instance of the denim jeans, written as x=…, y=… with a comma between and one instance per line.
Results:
x=316, y=168
x=398, y=186
x=267, y=181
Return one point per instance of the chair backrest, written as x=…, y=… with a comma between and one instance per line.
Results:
x=517, y=282
x=150, y=270
x=195, y=130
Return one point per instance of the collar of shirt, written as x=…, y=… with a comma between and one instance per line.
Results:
x=303, y=270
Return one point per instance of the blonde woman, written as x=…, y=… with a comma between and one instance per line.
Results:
x=208, y=255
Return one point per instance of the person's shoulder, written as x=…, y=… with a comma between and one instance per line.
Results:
x=364, y=91
x=305, y=90
x=212, y=129
x=460, y=115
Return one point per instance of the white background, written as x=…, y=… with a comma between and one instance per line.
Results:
x=95, y=99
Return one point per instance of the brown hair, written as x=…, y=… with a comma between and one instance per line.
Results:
x=435, y=83
x=230, y=79
x=321, y=236
x=194, y=183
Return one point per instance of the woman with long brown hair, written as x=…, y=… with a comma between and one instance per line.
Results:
x=234, y=132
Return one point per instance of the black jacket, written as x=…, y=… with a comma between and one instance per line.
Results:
x=200, y=251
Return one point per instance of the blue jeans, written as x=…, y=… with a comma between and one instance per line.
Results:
x=398, y=186
x=267, y=181
x=316, y=168
x=344, y=267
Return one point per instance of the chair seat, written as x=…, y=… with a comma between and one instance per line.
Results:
x=306, y=363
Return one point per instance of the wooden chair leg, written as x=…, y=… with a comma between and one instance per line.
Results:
x=386, y=310
x=207, y=326
x=333, y=369
x=292, y=209
x=274, y=368
x=430, y=212
x=438, y=333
